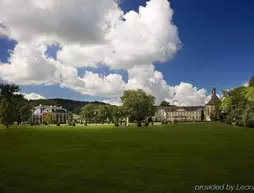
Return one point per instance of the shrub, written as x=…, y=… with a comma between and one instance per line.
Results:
x=250, y=124
x=146, y=124
x=152, y=123
x=175, y=121
x=139, y=124
x=166, y=122
x=109, y=122
x=58, y=124
x=85, y=123
x=32, y=124
x=45, y=123
x=162, y=122
x=74, y=124
x=116, y=124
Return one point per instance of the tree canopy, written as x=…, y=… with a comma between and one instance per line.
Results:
x=165, y=104
x=138, y=104
x=251, y=82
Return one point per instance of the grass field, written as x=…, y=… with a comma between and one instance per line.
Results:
x=95, y=159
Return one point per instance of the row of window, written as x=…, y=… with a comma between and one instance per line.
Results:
x=183, y=113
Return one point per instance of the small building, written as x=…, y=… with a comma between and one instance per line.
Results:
x=59, y=114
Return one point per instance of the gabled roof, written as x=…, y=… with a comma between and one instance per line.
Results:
x=213, y=100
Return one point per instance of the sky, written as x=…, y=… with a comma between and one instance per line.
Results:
x=85, y=50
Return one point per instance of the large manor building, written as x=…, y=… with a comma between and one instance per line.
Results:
x=187, y=113
x=58, y=114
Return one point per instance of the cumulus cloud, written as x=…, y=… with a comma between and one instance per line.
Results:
x=32, y=96
x=91, y=34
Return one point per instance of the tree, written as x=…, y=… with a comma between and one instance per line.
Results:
x=202, y=115
x=48, y=118
x=7, y=112
x=165, y=104
x=7, y=107
x=238, y=106
x=251, y=82
x=102, y=113
x=22, y=108
x=137, y=104
x=70, y=117
x=88, y=112
x=117, y=114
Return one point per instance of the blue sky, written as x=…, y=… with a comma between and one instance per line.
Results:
x=218, y=45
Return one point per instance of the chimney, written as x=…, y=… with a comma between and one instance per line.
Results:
x=214, y=91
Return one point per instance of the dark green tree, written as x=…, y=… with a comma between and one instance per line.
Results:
x=165, y=104
x=88, y=112
x=251, y=82
x=202, y=115
x=7, y=107
x=102, y=113
x=137, y=104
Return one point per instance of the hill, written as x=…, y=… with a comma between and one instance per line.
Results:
x=70, y=105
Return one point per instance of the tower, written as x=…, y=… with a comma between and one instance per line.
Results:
x=210, y=106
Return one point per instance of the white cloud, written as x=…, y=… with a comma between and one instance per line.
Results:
x=113, y=101
x=95, y=84
x=92, y=33
x=32, y=96
x=246, y=84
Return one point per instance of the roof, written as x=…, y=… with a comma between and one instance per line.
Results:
x=213, y=100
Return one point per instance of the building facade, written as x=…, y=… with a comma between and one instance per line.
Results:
x=58, y=114
x=187, y=113
x=179, y=113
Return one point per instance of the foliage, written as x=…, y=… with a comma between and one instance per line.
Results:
x=137, y=104
x=117, y=113
x=202, y=115
x=70, y=117
x=7, y=110
x=48, y=118
x=165, y=104
x=22, y=109
x=7, y=107
x=239, y=106
x=251, y=82
x=102, y=113
x=88, y=112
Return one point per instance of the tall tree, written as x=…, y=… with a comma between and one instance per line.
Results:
x=137, y=104
x=49, y=118
x=165, y=104
x=117, y=114
x=22, y=108
x=88, y=112
x=251, y=82
x=7, y=112
x=202, y=115
x=7, y=107
x=102, y=113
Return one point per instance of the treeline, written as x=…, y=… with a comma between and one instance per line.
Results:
x=136, y=106
x=69, y=105
x=237, y=107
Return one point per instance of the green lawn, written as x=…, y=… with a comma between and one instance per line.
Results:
x=104, y=159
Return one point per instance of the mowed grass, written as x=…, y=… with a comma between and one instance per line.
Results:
x=105, y=159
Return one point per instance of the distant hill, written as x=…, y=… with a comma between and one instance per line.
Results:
x=70, y=105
